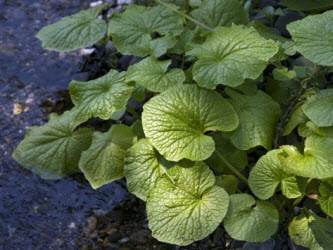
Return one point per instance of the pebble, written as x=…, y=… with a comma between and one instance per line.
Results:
x=91, y=223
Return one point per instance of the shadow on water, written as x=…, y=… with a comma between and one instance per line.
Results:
x=36, y=213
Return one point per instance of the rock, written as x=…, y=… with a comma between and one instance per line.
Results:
x=91, y=223
x=140, y=236
x=115, y=237
x=267, y=245
x=124, y=240
x=282, y=21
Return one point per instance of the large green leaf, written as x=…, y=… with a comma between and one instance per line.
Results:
x=319, y=108
x=132, y=30
x=74, y=32
x=230, y=55
x=250, y=220
x=308, y=5
x=258, y=115
x=268, y=173
x=103, y=162
x=185, y=205
x=100, y=97
x=312, y=231
x=215, y=13
x=176, y=121
x=143, y=167
x=313, y=37
x=317, y=161
x=233, y=155
x=326, y=196
x=53, y=150
x=153, y=75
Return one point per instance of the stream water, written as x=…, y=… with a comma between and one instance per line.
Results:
x=36, y=213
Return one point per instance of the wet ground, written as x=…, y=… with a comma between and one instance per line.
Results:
x=36, y=213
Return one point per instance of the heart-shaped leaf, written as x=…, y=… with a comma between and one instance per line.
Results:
x=250, y=220
x=103, y=162
x=132, y=30
x=185, y=205
x=53, y=150
x=152, y=74
x=313, y=37
x=317, y=161
x=326, y=196
x=143, y=167
x=74, y=32
x=258, y=115
x=268, y=173
x=100, y=97
x=228, y=182
x=176, y=121
x=230, y=55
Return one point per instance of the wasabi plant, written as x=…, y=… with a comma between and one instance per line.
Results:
x=231, y=91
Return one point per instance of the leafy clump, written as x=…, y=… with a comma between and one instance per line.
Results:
x=227, y=116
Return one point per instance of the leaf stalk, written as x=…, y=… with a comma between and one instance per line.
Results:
x=133, y=112
x=233, y=169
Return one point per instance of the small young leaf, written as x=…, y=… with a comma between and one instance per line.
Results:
x=53, y=150
x=312, y=231
x=100, y=97
x=326, y=196
x=258, y=115
x=137, y=129
x=317, y=161
x=313, y=37
x=283, y=74
x=153, y=75
x=296, y=119
x=319, y=108
x=176, y=121
x=132, y=30
x=74, y=32
x=228, y=182
x=250, y=220
x=143, y=167
x=268, y=173
x=230, y=55
x=185, y=205
x=103, y=162
x=215, y=13
x=233, y=155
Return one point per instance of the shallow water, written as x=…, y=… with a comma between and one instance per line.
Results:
x=36, y=213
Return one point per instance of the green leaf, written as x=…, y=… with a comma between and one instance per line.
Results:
x=188, y=35
x=248, y=87
x=100, y=97
x=326, y=196
x=230, y=55
x=313, y=37
x=268, y=173
x=137, y=129
x=138, y=92
x=308, y=5
x=143, y=167
x=215, y=13
x=283, y=74
x=132, y=30
x=313, y=129
x=317, y=161
x=228, y=182
x=319, y=108
x=312, y=231
x=250, y=220
x=103, y=162
x=296, y=119
x=152, y=74
x=176, y=121
x=74, y=32
x=258, y=115
x=185, y=205
x=233, y=155
x=117, y=115
x=53, y=150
